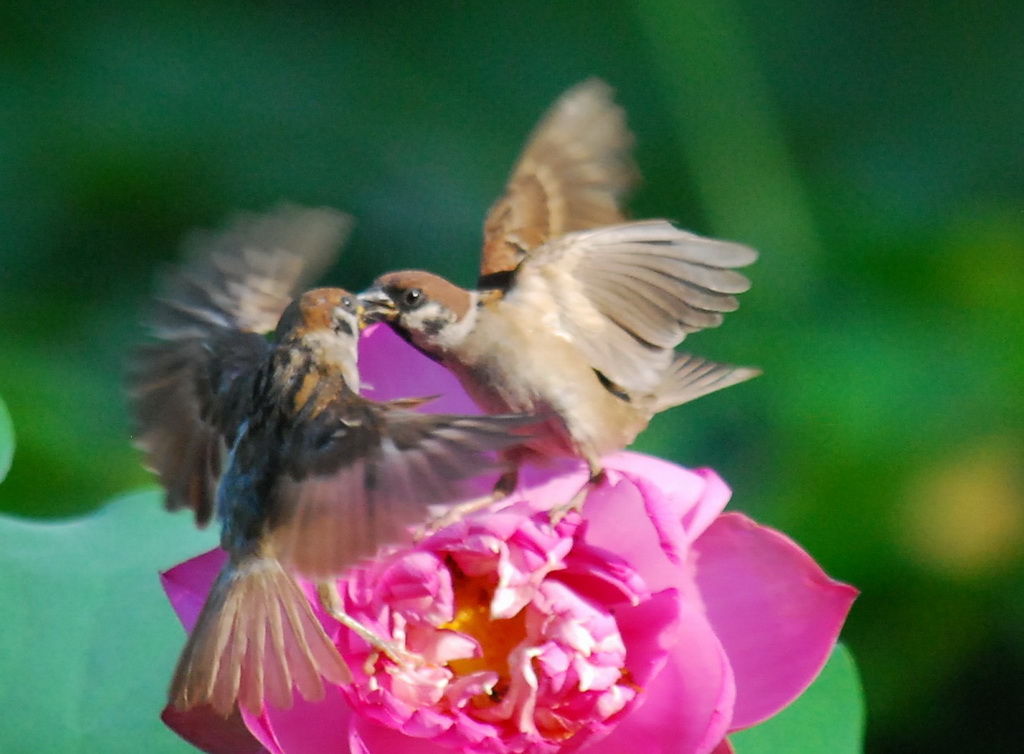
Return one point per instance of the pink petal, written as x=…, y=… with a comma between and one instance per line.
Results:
x=553, y=483
x=390, y=368
x=260, y=728
x=650, y=520
x=308, y=727
x=681, y=502
x=355, y=742
x=440, y=646
x=419, y=585
x=776, y=612
x=376, y=739
x=648, y=630
x=209, y=732
x=617, y=522
x=188, y=583
x=724, y=748
x=687, y=707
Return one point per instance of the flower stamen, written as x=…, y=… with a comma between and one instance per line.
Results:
x=496, y=637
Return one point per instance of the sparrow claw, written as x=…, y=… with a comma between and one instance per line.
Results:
x=558, y=512
x=403, y=658
x=453, y=514
x=330, y=600
x=504, y=487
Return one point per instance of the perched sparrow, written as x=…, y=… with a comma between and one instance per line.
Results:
x=577, y=313
x=314, y=476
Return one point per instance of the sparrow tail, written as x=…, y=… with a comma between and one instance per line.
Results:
x=256, y=638
x=690, y=377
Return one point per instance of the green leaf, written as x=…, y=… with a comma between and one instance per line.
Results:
x=6, y=440
x=89, y=642
x=827, y=719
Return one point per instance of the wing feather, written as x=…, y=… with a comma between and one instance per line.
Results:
x=691, y=377
x=365, y=489
x=571, y=176
x=188, y=390
x=627, y=295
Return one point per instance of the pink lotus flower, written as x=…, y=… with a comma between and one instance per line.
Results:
x=656, y=623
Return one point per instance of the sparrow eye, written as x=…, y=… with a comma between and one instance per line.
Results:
x=347, y=303
x=412, y=298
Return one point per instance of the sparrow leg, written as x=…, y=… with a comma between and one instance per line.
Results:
x=596, y=479
x=504, y=487
x=330, y=599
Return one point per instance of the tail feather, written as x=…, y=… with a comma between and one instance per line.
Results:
x=690, y=377
x=256, y=638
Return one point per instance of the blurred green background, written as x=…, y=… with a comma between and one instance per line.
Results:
x=873, y=152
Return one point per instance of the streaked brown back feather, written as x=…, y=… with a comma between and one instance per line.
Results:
x=571, y=176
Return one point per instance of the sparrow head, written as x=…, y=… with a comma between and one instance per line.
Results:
x=322, y=311
x=431, y=312
x=324, y=323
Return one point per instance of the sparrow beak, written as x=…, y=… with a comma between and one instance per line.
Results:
x=378, y=306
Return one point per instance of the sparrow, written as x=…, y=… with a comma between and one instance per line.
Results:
x=577, y=311
x=269, y=434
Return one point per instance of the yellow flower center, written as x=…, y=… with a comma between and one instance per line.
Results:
x=497, y=638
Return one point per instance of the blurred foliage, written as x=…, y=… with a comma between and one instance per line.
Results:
x=6, y=441
x=828, y=718
x=87, y=632
x=872, y=152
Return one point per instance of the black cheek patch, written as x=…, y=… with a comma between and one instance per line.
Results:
x=432, y=327
x=343, y=326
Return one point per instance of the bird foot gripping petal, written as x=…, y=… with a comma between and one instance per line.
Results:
x=453, y=513
x=503, y=487
x=330, y=599
x=576, y=502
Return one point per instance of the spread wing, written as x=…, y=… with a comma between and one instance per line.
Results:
x=356, y=477
x=571, y=176
x=627, y=295
x=189, y=387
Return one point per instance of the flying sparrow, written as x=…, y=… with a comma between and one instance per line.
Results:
x=271, y=435
x=577, y=312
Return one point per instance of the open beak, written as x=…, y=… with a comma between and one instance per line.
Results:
x=378, y=306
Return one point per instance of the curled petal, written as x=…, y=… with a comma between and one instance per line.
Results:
x=776, y=612
x=681, y=503
x=667, y=506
